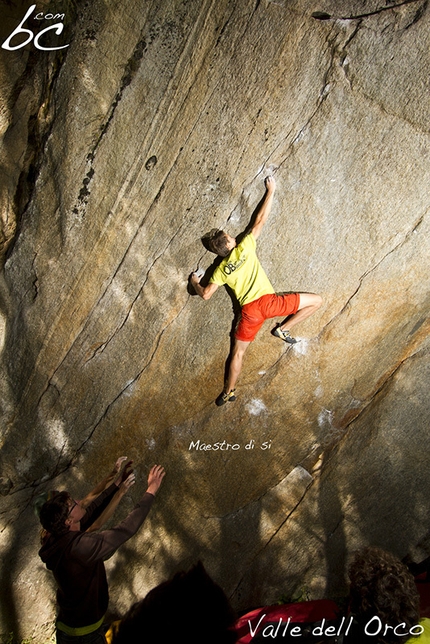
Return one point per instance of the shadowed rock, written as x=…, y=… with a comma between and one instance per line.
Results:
x=158, y=124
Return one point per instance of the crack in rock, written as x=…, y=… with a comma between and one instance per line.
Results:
x=322, y=15
x=296, y=483
x=336, y=434
x=131, y=68
x=361, y=279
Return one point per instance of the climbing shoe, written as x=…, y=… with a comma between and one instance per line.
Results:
x=226, y=397
x=284, y=335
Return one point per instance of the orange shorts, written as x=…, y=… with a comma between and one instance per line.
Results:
x=265, y=307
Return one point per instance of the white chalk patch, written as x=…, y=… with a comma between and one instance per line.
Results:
x=256, y=407
x=325, y=417
x=150, y=443
x=326, y=90
x=129, y=388
x=318, y=391
x=118, y=291
x=234, y=218
x=301, y=346
x=300, y=136
x=88, y=80
x=261, y=373
x=296, y=185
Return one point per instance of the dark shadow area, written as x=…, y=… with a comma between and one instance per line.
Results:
x=189, y=607
x=20, y=534
x=384, y=520
x=335, y=544
x=8, y=609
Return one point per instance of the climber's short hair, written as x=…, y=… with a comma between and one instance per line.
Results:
x=217, y=242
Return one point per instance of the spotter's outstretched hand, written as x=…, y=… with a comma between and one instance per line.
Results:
x=155, y=478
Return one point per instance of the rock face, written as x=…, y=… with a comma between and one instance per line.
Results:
x=160, y=122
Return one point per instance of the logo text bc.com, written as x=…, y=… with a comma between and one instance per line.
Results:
x=38, y=39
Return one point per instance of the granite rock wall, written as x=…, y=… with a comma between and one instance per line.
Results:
x=158, y=123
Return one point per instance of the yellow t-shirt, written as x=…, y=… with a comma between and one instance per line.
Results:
x=242, y=272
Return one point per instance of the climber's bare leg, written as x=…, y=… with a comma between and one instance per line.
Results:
x=309, y=304
x=236, y=362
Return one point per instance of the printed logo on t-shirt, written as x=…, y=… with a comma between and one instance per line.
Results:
x=229, y=268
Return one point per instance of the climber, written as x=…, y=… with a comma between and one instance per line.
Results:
x=76, y=557
x=241, y=270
